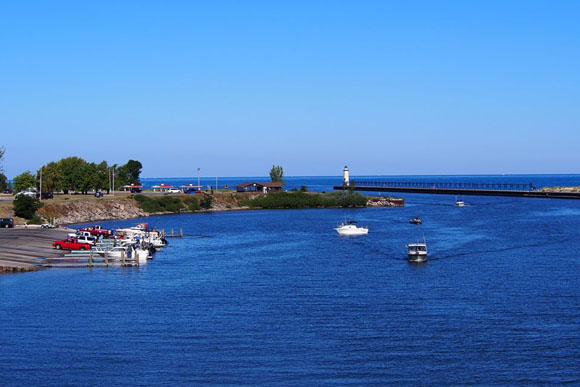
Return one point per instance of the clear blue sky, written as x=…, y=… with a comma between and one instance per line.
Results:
x=387, y=87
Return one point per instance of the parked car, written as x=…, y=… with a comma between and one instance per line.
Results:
x=78, y=234
x=173, y=190
x=90, y=240
x=29, y=192
x=98, y=194
x=7, y=191
x=6, y=222
x=47, y=225
x=46, y=195
x=97, y=230
x=70, y=244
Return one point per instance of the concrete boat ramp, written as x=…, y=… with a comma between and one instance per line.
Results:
x=25, y=249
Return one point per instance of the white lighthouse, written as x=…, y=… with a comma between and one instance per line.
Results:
x=345, y=179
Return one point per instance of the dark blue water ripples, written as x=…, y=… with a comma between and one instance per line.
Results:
x=277, y=298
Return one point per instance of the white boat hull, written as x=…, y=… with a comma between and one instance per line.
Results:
x=417, y=257
x=351, y=231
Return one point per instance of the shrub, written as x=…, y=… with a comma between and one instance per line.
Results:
x=35, y=220
x=305, y=200
x=206, y=202
x=160, y=204
x=193, y=204
x=187, y=200
x=25, y=206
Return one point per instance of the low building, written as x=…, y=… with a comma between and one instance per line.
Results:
x=133, y=188
x=259, y=187
x=161, y=187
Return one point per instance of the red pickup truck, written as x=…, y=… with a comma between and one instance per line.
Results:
x=97, y=231
x=70, y=244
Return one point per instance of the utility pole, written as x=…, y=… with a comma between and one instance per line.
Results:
x=113, y=181
x=40, y=187
x=198, y=185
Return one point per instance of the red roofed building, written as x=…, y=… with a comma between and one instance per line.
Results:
x=161, y=187
x=259, y=187
x=133, y=187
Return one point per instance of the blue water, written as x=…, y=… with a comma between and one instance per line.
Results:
x=325, y=183
x=277, y=298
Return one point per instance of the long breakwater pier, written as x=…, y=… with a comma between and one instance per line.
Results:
x=458, y=188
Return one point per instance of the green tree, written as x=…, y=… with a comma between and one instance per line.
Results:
x=90, y=178
x=72, y=170
x=102, y=172
x=4, y=183
x=277, y=174
x=24, y=181
x=2, y=153
x=206, y=202
x=133, y=170
x=25, y=206
x=128, y=174
x=51, y=177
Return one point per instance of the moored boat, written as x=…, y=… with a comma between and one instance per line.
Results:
x=351, y=229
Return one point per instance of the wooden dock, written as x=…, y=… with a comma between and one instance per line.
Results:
x=171, y=234
x=90, y=259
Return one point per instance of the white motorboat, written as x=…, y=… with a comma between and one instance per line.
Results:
x=142, y=254
x=113, y=251
x=130, y=235
x=417, y=252
x=351, y=229
x=119, y=253
x=459, y=202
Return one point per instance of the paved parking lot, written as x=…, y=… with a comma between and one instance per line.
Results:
x=23, y=249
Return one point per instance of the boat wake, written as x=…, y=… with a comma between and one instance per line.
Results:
x=498, y=250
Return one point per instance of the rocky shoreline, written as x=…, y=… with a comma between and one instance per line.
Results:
x=74, y=212
x=89, y=211
x=560, y=189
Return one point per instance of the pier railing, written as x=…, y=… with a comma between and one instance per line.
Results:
x=448, y=185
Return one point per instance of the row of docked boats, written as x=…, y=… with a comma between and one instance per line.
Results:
x=136, y=243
